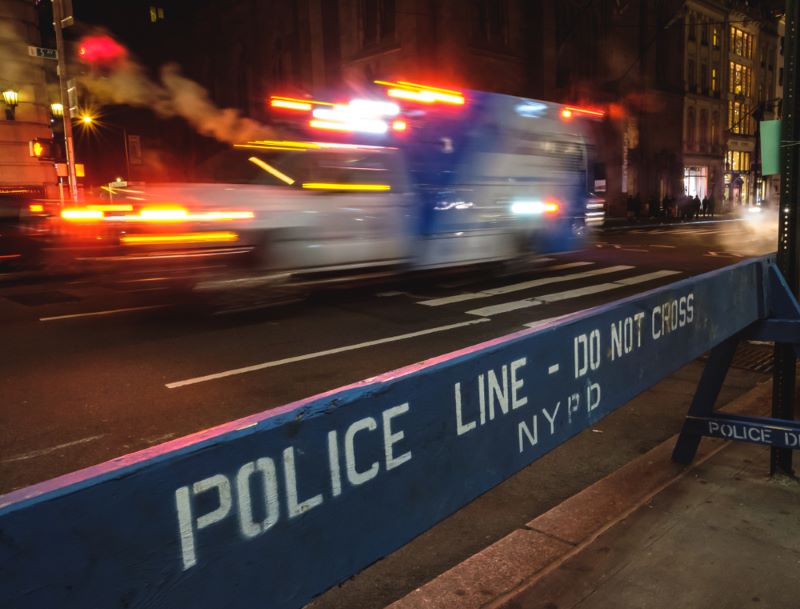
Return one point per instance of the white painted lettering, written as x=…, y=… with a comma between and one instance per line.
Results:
x=551, y=418
x=294, y=507
x=248, y=526
x=592, y=396
x=184, y=509
x=333, y=464
x=530, y=433
x=638, y=317
x=353, y=475
x=497, y=392
x=461, y=428
x=390, y=439
x=517, y=384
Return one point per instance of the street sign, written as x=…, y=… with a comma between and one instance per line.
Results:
x=42, y=52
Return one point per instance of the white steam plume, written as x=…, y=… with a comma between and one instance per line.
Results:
x=175, y=96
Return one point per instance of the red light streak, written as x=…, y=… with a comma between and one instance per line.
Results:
x=569, y=112
x=422, y=93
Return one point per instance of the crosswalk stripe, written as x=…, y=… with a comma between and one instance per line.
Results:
x=516, y=305
x=524, y=285
x=646, y=277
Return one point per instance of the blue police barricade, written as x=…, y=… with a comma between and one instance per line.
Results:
x=275, y=508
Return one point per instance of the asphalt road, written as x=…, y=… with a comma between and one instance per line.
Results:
x=94, y=371
x=91, y=371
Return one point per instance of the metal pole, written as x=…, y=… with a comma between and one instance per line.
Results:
x=58, y=15
x=783, y=382
x=127, y=156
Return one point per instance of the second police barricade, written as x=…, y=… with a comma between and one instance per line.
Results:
x=273, y=509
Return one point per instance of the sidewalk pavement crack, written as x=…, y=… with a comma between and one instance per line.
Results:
x=526, y=527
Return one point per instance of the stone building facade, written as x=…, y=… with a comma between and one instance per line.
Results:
x=20, y=173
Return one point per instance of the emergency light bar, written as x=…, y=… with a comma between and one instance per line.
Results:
x=294, y=103
x=155, y=214
x=423, y=94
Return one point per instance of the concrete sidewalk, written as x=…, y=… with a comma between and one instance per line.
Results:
x=719, y=534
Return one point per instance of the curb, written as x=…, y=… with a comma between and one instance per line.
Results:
x=516, y=563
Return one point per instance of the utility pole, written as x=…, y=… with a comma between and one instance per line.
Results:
x=783, y=382
x=58, y=22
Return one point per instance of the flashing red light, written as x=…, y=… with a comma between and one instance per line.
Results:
x=551, y=207
x=399, y=125
x=423, y=94
x=100, y=49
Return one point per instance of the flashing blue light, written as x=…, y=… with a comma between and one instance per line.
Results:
x=530, y=109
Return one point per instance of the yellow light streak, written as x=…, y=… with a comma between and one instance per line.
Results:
x=78, y=214
x=271, y=170
x=182, y=238
x=315, y=102
x=429, y=88
x=291, y=105
x=335, y=186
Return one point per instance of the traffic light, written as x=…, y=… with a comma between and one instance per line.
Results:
x=42, y=148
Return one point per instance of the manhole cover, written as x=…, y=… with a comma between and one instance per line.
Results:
x=34, y=299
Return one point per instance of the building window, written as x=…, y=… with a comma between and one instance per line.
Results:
x=692, y=27
x=715, y=36
x=737, y=160
x=741, y=43
x=740, y=120
x=377, y=22
x=695, y=181
x=491, y=24
x=690, y=129
x=691, y=75
x=704, y=32
x=714, y=88
x=156, y=14
x=740, y=79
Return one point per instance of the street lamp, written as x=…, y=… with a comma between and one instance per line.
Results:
x=11, y=97
x=91, y=123
x=57, y=110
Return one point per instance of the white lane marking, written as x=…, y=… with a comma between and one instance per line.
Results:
x=44, y=451
x=632, y=249
x=646, y=277
x=390, y=294
x=525, y=285
x=99, y=313
x=542, y=322
x=300, y=358
x=578, y=292
x=505, y=307
x=553, y=369
x=672, y=247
